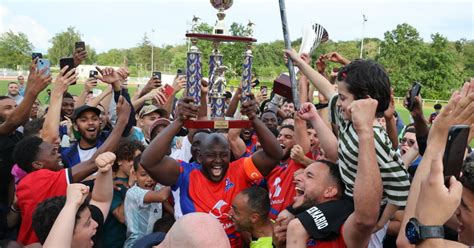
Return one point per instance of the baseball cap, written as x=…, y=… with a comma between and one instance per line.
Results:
x=148, y=109
x=161, y=122
x=82, y=109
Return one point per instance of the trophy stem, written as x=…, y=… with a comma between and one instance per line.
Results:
x=193, y=73
x=247, y=74
x=215, y=60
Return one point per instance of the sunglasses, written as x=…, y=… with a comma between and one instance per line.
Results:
x=410, y=142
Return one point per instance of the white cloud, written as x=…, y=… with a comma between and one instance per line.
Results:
x=37, y=34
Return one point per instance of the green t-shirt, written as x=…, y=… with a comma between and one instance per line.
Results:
x=263, y=242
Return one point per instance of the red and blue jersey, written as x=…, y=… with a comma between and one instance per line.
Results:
x=250, y=146
x=193, y=192
x=281, y=186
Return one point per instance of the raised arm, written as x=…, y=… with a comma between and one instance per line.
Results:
x=358, y=227
x=458, y=111
x=89, y=85
x=327, y=139
x=236, y=144
x=391, y=123
x=36, y=82
x=234, y=103
x=103, y=188
x=318, y=80
x=84, y=169
x=157, y=196
x=62, y=230
x=155, y=161
x=97, y=100
x=267, y=158
x=50, y=131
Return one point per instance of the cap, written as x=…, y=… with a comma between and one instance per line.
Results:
x=148, y=109
x=82, y=109
x=159, y=123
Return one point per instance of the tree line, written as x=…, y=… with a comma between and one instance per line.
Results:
x=439, y=65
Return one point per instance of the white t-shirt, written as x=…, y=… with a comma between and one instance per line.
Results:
x=87, y=154
x=183, y=154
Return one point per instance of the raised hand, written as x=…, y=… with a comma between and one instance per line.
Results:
x=153, y=83
x=249, y=108
x=160, y=96
x=433, y=192
x=186, y=109
x=204, y=87
x=108, y=75
x=179, y=83
x=336, y=57
x=79, y=56
x=37, y=81
x=391, y=107
x=297, y=154
x=363, y=114
x=321, y=64
x=76, y=194
x=297, y=60
x=123, y=109
x=105, y=161
x=63, y=80
x=90, y=84
x=123, y=73
x=306, y=58
x=307, y=111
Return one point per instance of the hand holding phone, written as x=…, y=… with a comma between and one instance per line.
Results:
x=69, y=62
x=36, y=55
x=156, y=74
x=43, y=63
x=414, y=91
x=455, y=149
x=168, y=90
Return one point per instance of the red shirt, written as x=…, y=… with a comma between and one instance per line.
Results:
x=32, y=190
x=334, y=243
x=199, y=194
x=281, y=186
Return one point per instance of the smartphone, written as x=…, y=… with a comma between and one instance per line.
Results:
x=36, y=55
x=455, y=149
x=156, y=74
x=168, y=90
x=263, y=90
x=43, y=63
x=80, y=44
x=67, y=61
x=255, y=83
x=181, y=72
x=93, y=73
x=414, y=91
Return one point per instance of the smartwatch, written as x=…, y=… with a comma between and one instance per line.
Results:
x=416, y=232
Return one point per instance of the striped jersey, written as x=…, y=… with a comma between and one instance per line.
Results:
x=394, y=175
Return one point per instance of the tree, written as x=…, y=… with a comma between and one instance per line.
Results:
x=63, y=46
x=15, y=50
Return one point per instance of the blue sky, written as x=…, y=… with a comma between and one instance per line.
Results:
x=107, y=24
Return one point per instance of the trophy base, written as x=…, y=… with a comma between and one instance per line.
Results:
x=217, y=124
x=220, y=37
x=282, y=87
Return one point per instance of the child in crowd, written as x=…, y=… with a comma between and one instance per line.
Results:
x=114, y=227
x=143, y=204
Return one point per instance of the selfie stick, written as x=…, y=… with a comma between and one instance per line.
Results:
x=286, y=37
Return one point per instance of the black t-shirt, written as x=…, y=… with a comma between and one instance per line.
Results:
x=7, y=144
x=98, y=217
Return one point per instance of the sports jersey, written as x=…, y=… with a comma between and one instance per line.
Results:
x=193, y=192
x=250, y=145
x=34, y=188
x=281, y=186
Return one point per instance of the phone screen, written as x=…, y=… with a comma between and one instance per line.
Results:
x=414, y=91
x=93, y=73
x=455, y=150
x=43, y=63
x=80, y=44
x=157, y=74
x=69, y=62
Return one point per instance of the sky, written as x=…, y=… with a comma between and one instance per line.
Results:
x=108, y=24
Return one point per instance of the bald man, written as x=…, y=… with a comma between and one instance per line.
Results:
x=188, y=232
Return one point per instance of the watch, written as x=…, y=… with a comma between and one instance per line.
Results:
x=416, y=232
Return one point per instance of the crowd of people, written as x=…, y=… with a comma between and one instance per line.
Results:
x=121, y=170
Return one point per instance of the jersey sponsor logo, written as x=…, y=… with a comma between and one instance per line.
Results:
x=228, y=184
x=276, y=186
x=216, y=211
x=318, y=217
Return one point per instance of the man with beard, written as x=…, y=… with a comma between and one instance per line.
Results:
x=322, y=191
x=210, y=186
x=14, y=92
x=249, y=212
x=86, y=123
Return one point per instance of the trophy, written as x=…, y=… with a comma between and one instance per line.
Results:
x=313, y=36
x=217, y=81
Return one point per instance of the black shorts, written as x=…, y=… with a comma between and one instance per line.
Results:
x=324, y=221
